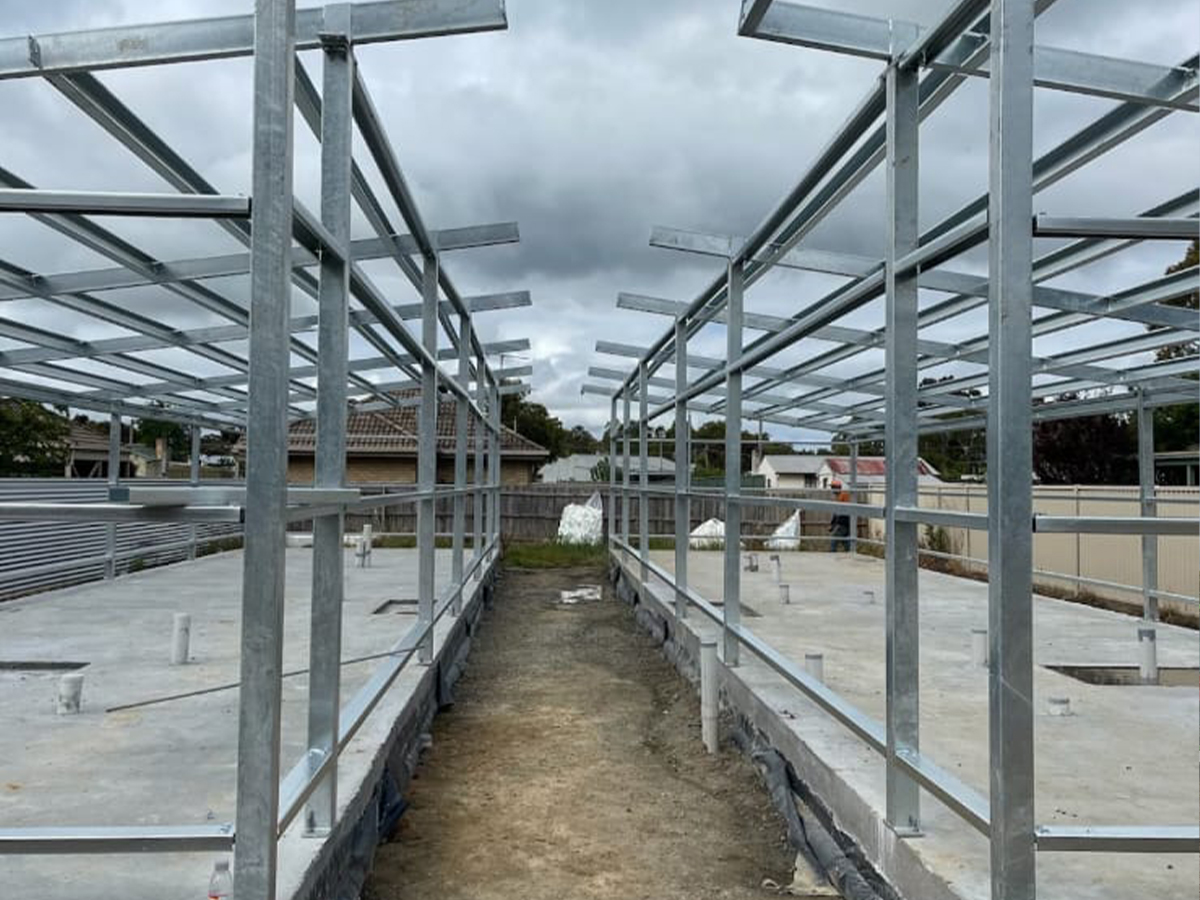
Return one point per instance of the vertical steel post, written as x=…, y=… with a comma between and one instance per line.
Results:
x=328, y=558
x=644, y=472
x=1010, y=453
x=903, y=633
x=114, y=479
x=427, y=447
x=480, y=480
x=625, y=473
x=460, y=462
x=259, y=699
x=193, y=480
x=611, y=522
x=854, y=494
x=732, y=606
x=683, y=472
x=1145, y=426
x=497, y=470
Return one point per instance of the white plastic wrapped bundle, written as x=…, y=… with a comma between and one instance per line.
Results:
x=709, y=535
x=582, y=523
x=787, y=535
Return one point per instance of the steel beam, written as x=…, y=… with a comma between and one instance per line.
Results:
x=427, y=460
x=683, y=472
x=731, y=607
x=93, y=203
x=1138, y=229
x=230, y=36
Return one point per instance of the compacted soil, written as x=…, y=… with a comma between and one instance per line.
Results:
x=571, y=766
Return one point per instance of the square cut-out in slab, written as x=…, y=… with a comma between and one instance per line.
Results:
x=1168, y=676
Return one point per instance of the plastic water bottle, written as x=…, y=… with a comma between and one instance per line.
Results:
x=220, y=885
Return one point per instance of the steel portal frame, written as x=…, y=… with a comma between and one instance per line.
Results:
x=974, y=38
x=287, y=247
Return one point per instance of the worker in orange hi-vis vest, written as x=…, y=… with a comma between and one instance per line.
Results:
x=839, y=524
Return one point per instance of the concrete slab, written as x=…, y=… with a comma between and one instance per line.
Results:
x=170, y=762
x=1125, y=757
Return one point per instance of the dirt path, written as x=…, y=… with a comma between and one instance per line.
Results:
x=571, y=767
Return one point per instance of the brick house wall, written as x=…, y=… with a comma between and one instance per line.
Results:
x=403, y=470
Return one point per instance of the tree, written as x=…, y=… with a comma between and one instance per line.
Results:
x=602, y=471
x=1085, y=450
x=179, y=444
x=33, y=440
x=1190, y=260
x=580, y=440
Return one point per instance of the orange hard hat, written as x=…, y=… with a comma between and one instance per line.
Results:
x=835, y=484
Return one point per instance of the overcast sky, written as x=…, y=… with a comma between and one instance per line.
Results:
x=588, y=122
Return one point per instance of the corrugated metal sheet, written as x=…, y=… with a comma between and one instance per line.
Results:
x=39, y=556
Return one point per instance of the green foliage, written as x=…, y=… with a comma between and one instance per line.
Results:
x=1190, y=260
x=179, y=443
x=602, y=471
x=552, y=555
x=33, y=440
x=533, y=421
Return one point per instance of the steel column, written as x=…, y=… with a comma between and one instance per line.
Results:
x=1146, y=489
x=611, y=518
x=260, y=700
x=902, y=612
x=479, y=497
x=328, y=582
x=497, y=468
x=460, y=461
x=625, y=471
x=1010, y=454
x=683, y=503
x=854, y=496
x=427, y=447
x=732, y=606
x=193, y=479
x=643, y=476
x=114, y=479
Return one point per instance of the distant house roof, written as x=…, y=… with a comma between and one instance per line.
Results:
x=794, y=463
x=87, y=438
x=874, y=467
x=578, y=467
x=387, y=432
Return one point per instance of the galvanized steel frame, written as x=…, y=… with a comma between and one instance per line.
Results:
x=265, y=391
x=923, y=67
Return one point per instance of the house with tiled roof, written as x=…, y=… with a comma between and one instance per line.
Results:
x=381, y=447
x=872, y=470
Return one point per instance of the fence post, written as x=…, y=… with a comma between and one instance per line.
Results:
x=643, y=478
x=459, y=524
x=480, y=483
x=194, y=480
x=1145, y=421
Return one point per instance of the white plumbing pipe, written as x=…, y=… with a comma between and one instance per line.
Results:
x=70, y=694
x=778, y=564
x=814, y=665
x=785, y=594
x=364, y=548
x=979, y=647
x=708, y=693
x=1058, y=706
x=1148, y=654
x=870, y=595
x=181, y=638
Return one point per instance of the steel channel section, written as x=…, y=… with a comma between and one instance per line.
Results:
x=114, y=479
x=260, y=700
x=194, y=480
x=1010, y=454
x=333, y=342
x=854, y=496
x=902, y=599
x=427, y=447
x=459, y=526
x=683, y=473
x=643, y=473
x=611, y=518
x=625, y=467
x=497, y=468
x=1146, y=491
x=732, y=605
x=479, y=497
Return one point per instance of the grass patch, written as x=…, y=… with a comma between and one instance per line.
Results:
x=552, y=555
